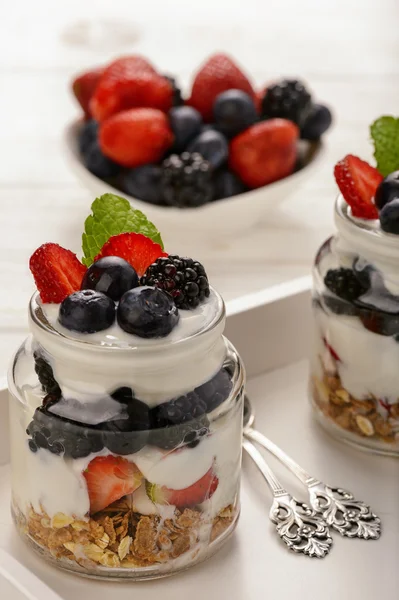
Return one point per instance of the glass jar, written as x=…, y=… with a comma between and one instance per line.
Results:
x=126, y=453
x=354, y=384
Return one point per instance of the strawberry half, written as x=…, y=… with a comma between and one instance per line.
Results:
x=358, y=182
x=136, y=248
x=198, y=492
x=108, y=479
x=57, y=272
x=83, y=87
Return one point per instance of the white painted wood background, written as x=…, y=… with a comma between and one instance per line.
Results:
x=347, y=50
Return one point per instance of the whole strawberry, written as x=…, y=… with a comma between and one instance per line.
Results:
x=130, y=82
x=83, y=87
x=135, y=137
x=217, y=75
x=264, y=152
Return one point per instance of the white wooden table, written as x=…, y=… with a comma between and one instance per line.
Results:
x=345, y=49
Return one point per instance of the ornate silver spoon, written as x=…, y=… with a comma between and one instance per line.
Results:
x=300, y=528
x=337, y=507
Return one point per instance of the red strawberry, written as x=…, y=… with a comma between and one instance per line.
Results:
x=108, y=479
x=217, y=75
x=57, y=272
x=201, y=490
x=136, y=248
x=130, y=82
x=83, y=87
x=358, y=181
x=135, y=137
x=264, y=152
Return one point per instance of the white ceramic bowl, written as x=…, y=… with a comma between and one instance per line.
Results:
x=226, y=216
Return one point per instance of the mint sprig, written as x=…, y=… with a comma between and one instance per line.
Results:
x=113, y=215
x=385, y=135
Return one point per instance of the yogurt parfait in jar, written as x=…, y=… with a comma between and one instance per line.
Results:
x=354, y=374
x=126, y=406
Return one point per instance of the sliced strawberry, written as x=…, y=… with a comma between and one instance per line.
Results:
x=201, y=490
x=57, y=272
x=108, y=479
x=358, y=182
x=83, y=87
x=136, y=248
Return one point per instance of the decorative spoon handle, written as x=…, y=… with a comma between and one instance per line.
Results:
x=337, y=507
x=300, y=528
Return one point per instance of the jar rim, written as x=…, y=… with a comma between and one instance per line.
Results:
x=366, y=232
x=38, y=319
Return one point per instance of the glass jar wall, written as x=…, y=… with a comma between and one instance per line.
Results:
x=354, y=383
x=126, y=456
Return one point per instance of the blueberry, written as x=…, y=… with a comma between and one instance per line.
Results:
x=87, y=311
x=388, y=190
x=98, y=164
x=228, y=184
x=124, y=395
x=143, y=183
x=212, y=146
x=316, y=123
x=147, y=312
x=111, y=275
x=87, y=135
x=233, y=112
x=389, y=217
x=208, y=127
x=185, y=123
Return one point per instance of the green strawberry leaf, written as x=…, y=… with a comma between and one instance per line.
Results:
x=113, y=215
x=385, y=135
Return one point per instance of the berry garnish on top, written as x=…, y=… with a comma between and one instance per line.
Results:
x=147, y=312
x=186, y=180
x=184, y=279
x=110, y=275
x=87, y=311
x=57, y=272
x=388, y=190
x=358, y=182
x=287, y=99
x=344, y=284
x=137, y=249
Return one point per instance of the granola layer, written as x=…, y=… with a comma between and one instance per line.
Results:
x=368, y=417
x=118, y=537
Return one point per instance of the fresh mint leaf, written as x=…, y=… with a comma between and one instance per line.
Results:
x=113, y=215
x=385, y=135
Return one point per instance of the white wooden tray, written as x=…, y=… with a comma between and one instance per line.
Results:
x=272, y=330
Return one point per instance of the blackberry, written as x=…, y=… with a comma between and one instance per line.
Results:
x=216, y=390
x=177, y=99
x=186, y=180
x=179, y=421
x=62, y=436
x=288, y=99
x=46, y=377
x=344, y=284
x=184, y=279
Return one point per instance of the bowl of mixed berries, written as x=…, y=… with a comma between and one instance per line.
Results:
x=225, y=150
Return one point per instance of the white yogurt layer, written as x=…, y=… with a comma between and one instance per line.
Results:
x=368, y=363
x=88, y=366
